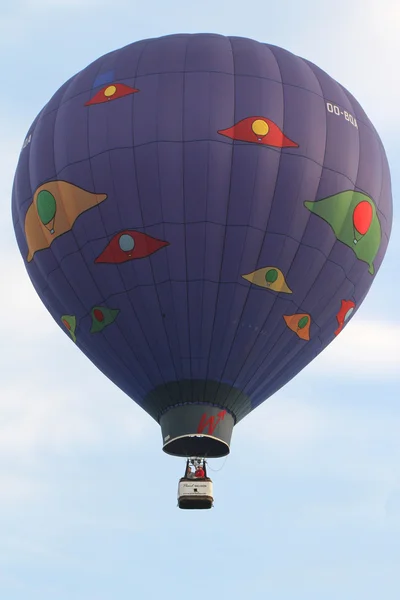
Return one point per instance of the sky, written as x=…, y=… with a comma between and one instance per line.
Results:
x=307, y=505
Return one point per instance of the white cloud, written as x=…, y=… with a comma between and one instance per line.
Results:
x=392, y=504
x=358, y=44
x=302, y=431
x=283, y=421
x=24, y=315
x=10, y=146
x=340, y=459
x=44, y=5
x=51, y=397
x=364, y=349
x=16, y=488
x=41, y=415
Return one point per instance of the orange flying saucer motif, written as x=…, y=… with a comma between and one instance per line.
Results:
x=258, y=130
x=111, y=92
x=300, y=324
x=346, y=309
x=55, y=207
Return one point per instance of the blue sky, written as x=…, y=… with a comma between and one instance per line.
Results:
x=308, y=503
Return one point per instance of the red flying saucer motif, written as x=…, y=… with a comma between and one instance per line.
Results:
x=129, y=245
x=258, y=130
x=346, y=309
x=109, y=92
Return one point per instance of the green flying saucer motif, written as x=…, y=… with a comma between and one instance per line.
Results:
x=102, y=317
x=354, y=220
x=69, y=322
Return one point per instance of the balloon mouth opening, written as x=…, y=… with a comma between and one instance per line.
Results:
x=196, y=430
x=196, y=445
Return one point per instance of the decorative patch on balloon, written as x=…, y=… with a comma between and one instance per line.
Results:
x=354, y=220
x=103, y=78
x=102, y=317
x=69, y=321
x=111, y=92
x=345, y=312
x=129, y=245
x=258, y=130
x=55, y=207
x=271, y=278
x=210, y=422
x=300, y=324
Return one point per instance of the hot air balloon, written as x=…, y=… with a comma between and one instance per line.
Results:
x=202, y=215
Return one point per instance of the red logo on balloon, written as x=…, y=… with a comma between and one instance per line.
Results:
x=129, y=245
x=258, y=130
x=210, y=422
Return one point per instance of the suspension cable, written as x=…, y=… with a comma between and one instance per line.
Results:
x=221, y=467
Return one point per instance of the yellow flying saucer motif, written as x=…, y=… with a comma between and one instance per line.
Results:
x=271, y=278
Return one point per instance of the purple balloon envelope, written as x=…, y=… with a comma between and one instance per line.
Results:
x=201, y=215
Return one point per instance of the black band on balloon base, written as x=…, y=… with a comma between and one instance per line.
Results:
x=197, y=430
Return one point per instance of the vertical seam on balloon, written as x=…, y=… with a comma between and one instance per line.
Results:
x=257, y=373
x=226, y=221
x=48, y=286
x=110, y=354
x=385, y=168
x=201, y=347
x=265, y=236
x=236, y=396
x=37, y=263
x=88, y=310
x=117, y=266
x=311, y=342
x=160, y=190
x=373, y=132
x=294, y=354
x=297, y=307
x=353, y=260
x=275, y=382
x=126, y=293
x=51, y=289
x=20, y=216
x=383, y=157
x=249, y=378
x=184, y=214
x=376, y=200
x=177, y=368
x=152, y=270
x=205, y=250
x=127, y=365
x=244, y=301
x=144, y=228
